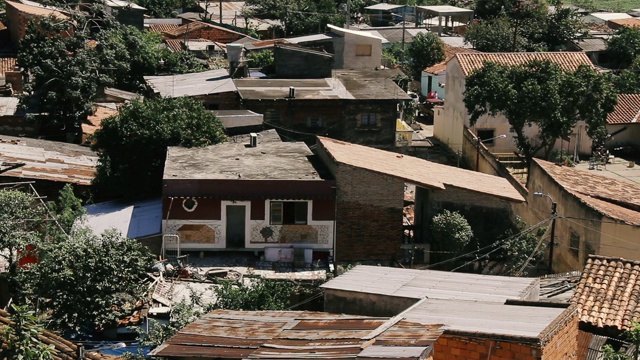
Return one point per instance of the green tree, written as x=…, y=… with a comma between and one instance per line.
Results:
x=518, y=92
x=494, y=35
x=522, y=248
x=624, y=46
x=21, y=220
x=299, y=17
x=85, y=282
x=451, y=232
x=19, y=338
x=261, y=294
x=133, y=144
x=63, y=74
x=261, y=59
x=425, y=50
x=67, y=208
x=160, y=9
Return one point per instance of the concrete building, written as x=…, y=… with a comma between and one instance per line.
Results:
x=604, y=17
x=483, y=316
x=359, y=106
x=297, y=62
x=351, y=49
x=597, y=214
x=202, y=30
x=434, y=77
x=126, y=12
x=449, y=123
x=252, y=192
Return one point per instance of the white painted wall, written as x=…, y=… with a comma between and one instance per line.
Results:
x=253, y=238
x=351, y=61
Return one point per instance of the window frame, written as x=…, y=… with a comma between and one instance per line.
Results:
x=366, y=120
x=281, y=210
x=482, y=135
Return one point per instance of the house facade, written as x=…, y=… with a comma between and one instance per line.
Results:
x=449, y=124
x=597, y=214
x=353, y=105
x=248, y=194
x=202, y=30
x=351, y=49
x=19, y=15
x=624, y=123
x=434, y=77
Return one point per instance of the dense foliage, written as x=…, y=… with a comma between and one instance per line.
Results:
x=505, y=26
x=133, y=144
x=451, y=232
x=69, y=60
x=86, y=282
x=298, y=17
x=624, y=46
x=522, y=249
x=259, y=295
x=261, y=59
x=540, y=93
x=20, y=339
x=425, y=50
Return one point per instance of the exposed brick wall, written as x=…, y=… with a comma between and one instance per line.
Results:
x=369, y=215
x=455, y=347
x=560, y=339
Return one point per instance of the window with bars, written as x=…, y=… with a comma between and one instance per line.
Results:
x=289, y=212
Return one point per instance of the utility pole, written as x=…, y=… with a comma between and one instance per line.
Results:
x=403, y=31
x=552, y=242
x=220, y=12
x=348, y=21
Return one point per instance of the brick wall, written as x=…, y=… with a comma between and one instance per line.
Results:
x=560, y=338
x=456, y=347
x=369, y=215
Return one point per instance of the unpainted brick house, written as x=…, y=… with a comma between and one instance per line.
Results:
x=359, y=106
x=483, y=316
x=202, y=30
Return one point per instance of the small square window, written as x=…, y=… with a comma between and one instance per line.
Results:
x=314, y=121
x=368, y=120
x=363, y=50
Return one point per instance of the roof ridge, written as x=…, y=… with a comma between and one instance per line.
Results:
x=612, y=258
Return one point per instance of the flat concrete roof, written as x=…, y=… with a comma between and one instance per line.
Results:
x=271, y=159
x=346, y=84
x=484, y=317
x=238, y=118
x=433, y=284
x=447, y=10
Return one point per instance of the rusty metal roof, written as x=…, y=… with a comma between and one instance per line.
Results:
x=48, y=160
x=298, y=335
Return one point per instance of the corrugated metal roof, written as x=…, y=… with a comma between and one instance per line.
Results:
x=201, y=83
x=48, y=160
x=418, y=284
x=484, y=317
x=418, y=171
x=383, y=6
x=133, y=220
x=298, y=335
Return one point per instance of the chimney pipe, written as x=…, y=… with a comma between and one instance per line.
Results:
x=253, y=140
x=292, y=92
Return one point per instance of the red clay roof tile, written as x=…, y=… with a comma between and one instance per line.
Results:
x=469, y=62
x=626, y=111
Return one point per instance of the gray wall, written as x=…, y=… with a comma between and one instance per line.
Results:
x=355, y=303
x=292, y=63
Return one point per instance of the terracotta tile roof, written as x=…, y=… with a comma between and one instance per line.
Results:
x=36, y=10
x=614, y=198
x=94, y=121
x=608, y=294
x=7, y=64
x=632, y=22
x=196, y=25
x=626, y=111
x=175, y=45
x=449, y=52
x=162, y=28
x=418, y=171
x=469, y=62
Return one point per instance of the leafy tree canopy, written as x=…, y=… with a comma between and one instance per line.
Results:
x=85, y=282
x=522, y=249
x=20, y=337
x=624, y=46
x=425, y=50
x=494, y=35
x=299, y=17
x=133, y=144
x=540, y=93
x=451, y=231
x=69, y=60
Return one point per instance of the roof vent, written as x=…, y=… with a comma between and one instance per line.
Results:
x=292, y=92
x=253, y=140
